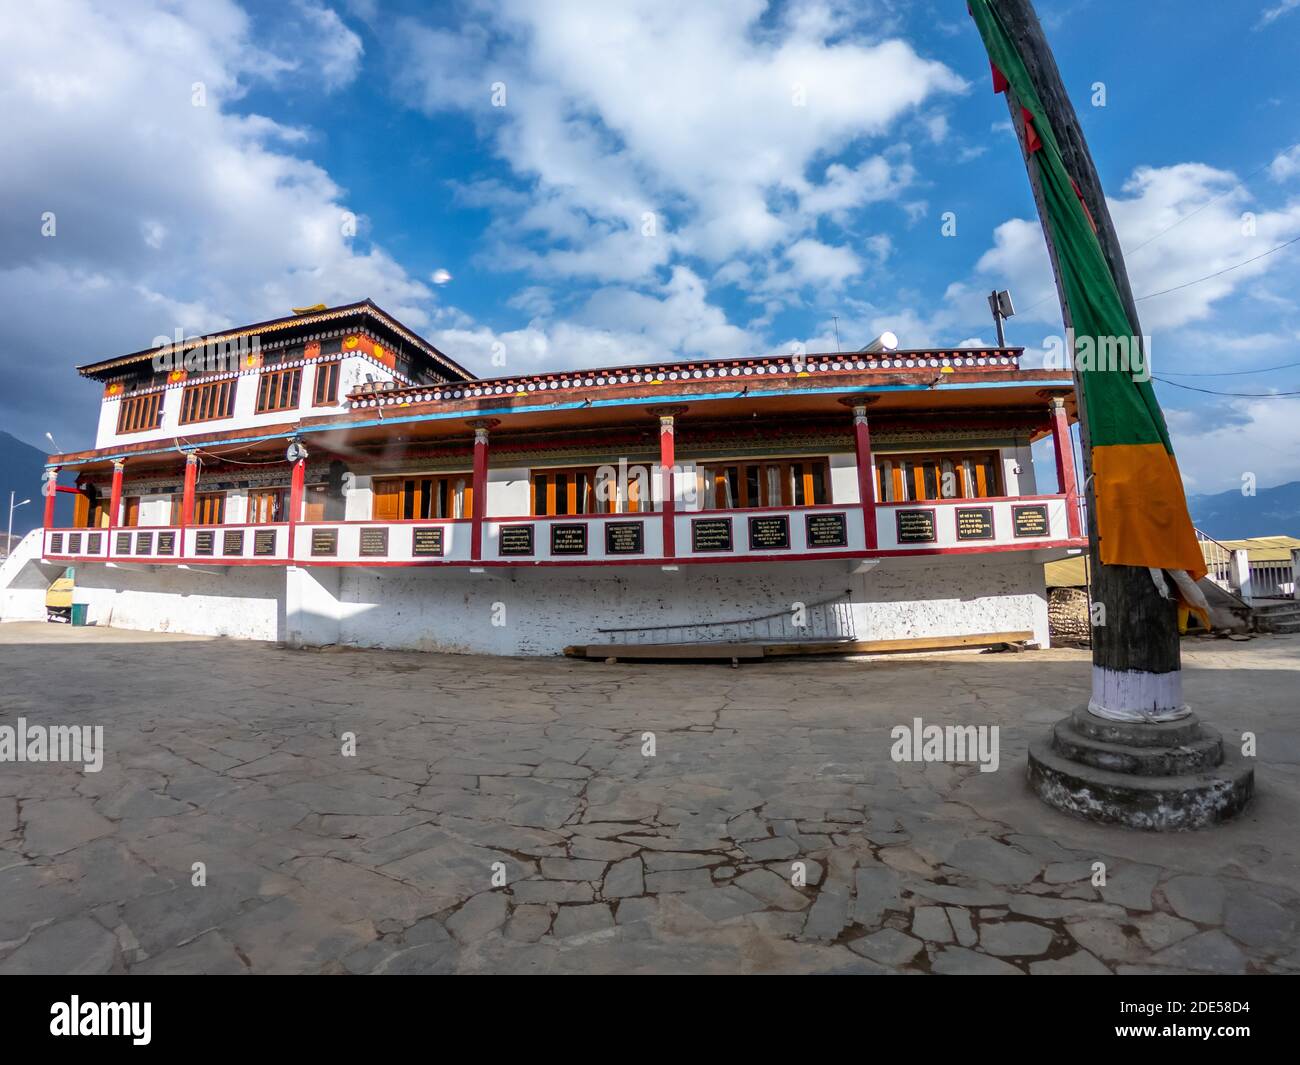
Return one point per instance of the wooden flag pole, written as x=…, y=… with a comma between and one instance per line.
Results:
x=1135, y=652
x=1136, y=755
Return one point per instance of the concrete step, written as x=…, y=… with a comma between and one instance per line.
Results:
x=1276, y=606
x=1282, y=627
x=1161, y=734
x=1203, y=752
x=1172, y=803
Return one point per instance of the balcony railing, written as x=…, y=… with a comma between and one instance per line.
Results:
x=827, y=531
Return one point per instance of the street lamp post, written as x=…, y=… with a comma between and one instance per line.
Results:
x=9, y=539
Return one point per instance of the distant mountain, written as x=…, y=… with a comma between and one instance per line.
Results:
x=21, y=466
x=1232, y=516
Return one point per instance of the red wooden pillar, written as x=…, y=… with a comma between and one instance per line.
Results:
x=187, y=494
x=866, y=473
x=297, y=485
x=478, y=500
x=51, y=490
x=115, y=496
x=1065, y=479
x=667, y=460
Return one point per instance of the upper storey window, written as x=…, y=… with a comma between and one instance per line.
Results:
x=140, y=413
x=327, y=384
x=206, y=402
x=947, y=475
x=278, y=390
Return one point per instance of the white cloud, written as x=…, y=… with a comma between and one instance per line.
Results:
x=818, y=264
x=168, y=214
x=1286, y=165
x=327, y=50
x=1272, y=14
x=674, y=107
x=1259, y=436
x=1177, y=224
x=615, y=326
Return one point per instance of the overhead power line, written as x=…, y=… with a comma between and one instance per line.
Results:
x=1218, y=273
x=1208, y=203
x=1216, y=392
x=1231, y=373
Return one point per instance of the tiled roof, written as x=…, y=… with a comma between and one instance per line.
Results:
x=731, y=370
x=295, y=321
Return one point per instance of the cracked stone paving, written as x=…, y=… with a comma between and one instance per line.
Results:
x=229, y=753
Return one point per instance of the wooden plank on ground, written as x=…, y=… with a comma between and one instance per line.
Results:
x=918, y=643
x=687, y=651
x=667, y=650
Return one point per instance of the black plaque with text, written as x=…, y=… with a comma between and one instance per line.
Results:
x=710, y=534
x=264, y=542
x=568, y=538
x=374, y=543
x=625, y=538
x=56, y=543
x=974, y=523
x=122, y=544
x=144, y=543
x=74, y=543
x=1030, y=520
x=915, y=526
x=826, y=530
x=205, y=541
x=427, y=543
x=94, y=543
x=166, y=543
x=324, y=542
x=769, y=532
x=515, y=540
x=232, y=542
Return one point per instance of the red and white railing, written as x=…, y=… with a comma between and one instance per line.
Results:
x=827, y=531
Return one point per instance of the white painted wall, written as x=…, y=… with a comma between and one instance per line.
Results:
x=844, y=479
x=353, y=372
x=23, y=581
x=507, y=492
x=544, y=610
x=359, y=499
x=244, y=602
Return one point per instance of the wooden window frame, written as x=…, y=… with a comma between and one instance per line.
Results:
x=208, y=401
x=258, y=496
x=580, y=497
x=908, y=475
x=279, y=390
x=412, y=497
x=139, y=414
x=807, y=467
x=208, y=505
x=326, y=372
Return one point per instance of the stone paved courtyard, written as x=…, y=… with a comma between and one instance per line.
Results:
x=229, y=754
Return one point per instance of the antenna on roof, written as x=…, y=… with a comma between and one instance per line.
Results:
x=1001, y=306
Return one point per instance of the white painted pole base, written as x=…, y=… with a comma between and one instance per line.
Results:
x=1136, y=696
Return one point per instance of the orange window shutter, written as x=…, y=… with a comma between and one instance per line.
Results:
x=386, y=496
x=467, y=510
x=315, y=504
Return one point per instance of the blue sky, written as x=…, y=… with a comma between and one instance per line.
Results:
x=663, y=180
